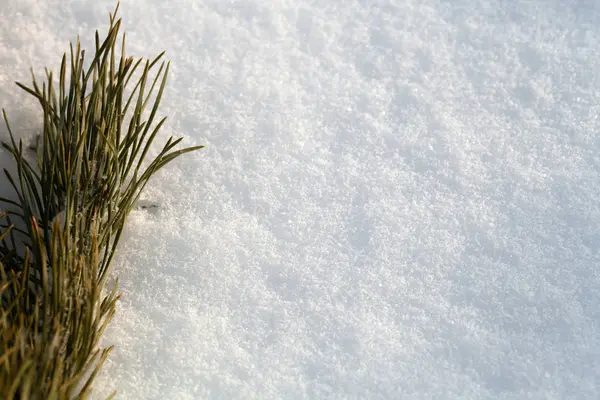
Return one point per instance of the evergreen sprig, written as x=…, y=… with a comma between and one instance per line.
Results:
x=69, y=213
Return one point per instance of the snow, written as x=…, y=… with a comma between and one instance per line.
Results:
x=398, y=199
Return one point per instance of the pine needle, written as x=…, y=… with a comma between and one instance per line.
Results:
x=71, y=206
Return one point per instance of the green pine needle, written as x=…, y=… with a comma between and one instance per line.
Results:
x=70, y=209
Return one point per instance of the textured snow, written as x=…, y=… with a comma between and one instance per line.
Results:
x=398, y=199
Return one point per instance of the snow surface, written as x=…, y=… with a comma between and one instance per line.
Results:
x=398, y=199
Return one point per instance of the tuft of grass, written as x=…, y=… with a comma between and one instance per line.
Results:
x=59, y=235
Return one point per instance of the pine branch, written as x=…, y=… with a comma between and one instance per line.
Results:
x=73, y=201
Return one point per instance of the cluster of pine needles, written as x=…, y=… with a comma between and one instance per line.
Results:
x=59, y=233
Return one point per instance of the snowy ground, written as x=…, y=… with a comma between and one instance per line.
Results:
x=398, y=199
